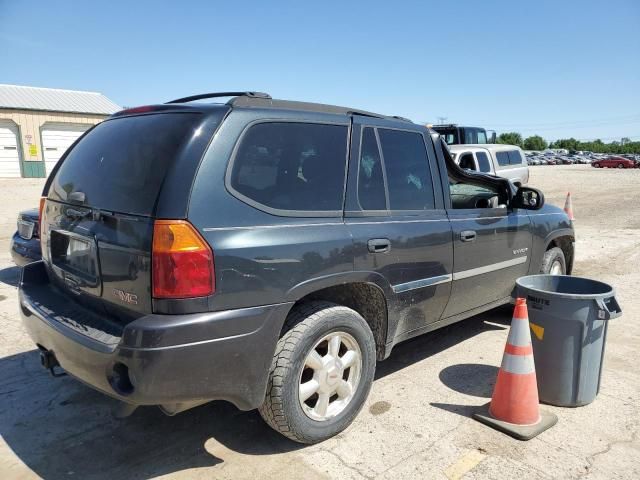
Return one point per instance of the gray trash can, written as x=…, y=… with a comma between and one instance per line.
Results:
x=569, y=318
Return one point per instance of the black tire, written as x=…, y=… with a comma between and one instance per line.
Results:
x=551, y=256
x=620, y=165
x=305, y=326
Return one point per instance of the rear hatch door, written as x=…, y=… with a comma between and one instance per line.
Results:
x=98, y=218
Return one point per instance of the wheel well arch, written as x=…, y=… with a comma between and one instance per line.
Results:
x=564, y=243
x=365, y=298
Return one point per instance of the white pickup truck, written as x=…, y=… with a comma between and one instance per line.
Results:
x=506, y=161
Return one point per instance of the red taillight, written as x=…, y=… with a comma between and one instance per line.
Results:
x=182, y=262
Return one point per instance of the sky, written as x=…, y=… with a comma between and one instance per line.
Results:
x=554, y=68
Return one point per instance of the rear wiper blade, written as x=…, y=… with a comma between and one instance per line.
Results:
x=73, y=213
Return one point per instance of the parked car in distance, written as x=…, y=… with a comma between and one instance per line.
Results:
x=456, y=134
x=507, y=161
x=25, y=243
x=614, y=162
x=336, y=235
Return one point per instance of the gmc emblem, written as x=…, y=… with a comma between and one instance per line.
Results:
x=125, y=297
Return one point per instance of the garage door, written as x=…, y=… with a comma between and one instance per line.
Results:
x=55, y=141
x=9, y=153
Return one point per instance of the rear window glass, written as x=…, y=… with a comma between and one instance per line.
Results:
x=120, y=165
x=292, y=166
x=449, y=135
x=503, y=158
x=474, y=135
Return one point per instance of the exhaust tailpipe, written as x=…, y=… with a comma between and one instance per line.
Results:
x=49, y=361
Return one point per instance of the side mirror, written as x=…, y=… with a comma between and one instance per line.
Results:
x=528, y=198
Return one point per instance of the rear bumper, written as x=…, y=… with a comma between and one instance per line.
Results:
x=25, y=251
x=175, y=361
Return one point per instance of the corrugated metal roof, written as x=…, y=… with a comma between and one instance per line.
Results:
x=55, y=100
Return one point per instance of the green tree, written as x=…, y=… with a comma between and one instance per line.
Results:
x=535, y=142
x=510, y=138
x=567, y=143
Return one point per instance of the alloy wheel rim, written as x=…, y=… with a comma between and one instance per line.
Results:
x=330, y=376
x=556, y=268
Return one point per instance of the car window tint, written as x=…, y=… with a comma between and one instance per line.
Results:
x=371, y=191
x=292, y=166
x=483, y=162
x=514, y=157
x=121, y=164
x=407, y=169
x=503, y=158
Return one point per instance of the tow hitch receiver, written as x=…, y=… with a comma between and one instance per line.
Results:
x=48, y=360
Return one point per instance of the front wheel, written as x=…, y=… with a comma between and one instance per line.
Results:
x=620, y=165
x=553, y=262
x=321, y=373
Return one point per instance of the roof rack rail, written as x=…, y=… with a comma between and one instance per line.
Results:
x=202, y=96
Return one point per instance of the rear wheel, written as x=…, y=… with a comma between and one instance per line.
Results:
x=620, y=165
x=321, y=373
x=553, y=262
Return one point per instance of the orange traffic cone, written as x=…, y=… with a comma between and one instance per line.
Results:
x=514, y=407
x=568, y=207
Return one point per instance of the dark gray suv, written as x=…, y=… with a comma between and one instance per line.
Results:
x=268, y=253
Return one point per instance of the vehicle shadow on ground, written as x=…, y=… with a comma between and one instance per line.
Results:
x=10, y=276
x=473, y=379
x=425, y=346
x=59, y=428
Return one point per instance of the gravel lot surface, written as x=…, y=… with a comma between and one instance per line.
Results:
x=416, y=423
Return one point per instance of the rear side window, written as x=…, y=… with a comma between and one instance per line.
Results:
x=503, y=158
x=514, y=157
x=371, y=191
x=292, y=166
x=407, y=168
x=120, y=164
x=483, y=162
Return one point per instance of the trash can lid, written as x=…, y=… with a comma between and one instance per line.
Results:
x=566, y=286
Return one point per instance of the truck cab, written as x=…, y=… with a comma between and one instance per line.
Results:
x=507, y=161
x=454, y=134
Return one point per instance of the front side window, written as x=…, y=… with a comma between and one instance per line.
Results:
x=483, y=162
x=407, y=170
x=466, y=162
x=467, y=195
x=371, y=191
x=292, y=166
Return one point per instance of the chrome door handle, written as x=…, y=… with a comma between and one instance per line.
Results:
x=467, y=235
x=379, y=245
